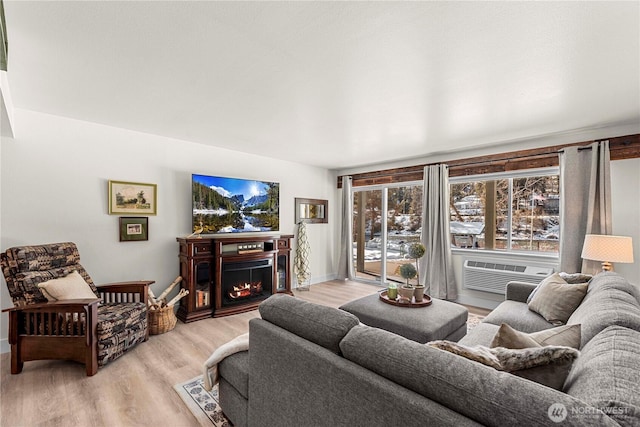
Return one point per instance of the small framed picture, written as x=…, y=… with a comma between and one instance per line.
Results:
x=134, y=228
x=133, y=198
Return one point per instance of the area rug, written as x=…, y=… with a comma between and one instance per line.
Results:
x=204, y=405
x=473, y=321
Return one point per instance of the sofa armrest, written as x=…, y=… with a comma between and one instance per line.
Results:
x=64, y=318
x=519, y=291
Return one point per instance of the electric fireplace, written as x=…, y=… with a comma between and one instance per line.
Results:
x=246, y=281
x=231, y=274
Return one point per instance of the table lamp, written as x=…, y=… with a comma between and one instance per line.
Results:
x=607, y=249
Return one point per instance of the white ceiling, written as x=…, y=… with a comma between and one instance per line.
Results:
x=332, y=84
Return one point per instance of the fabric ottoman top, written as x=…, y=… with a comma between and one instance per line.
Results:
x=422, y=324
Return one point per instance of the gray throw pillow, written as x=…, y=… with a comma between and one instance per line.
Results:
x=556, y=300
x=571, y=278
x=565, y=335
x=547, y=365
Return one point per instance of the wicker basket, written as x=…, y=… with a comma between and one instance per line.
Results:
x=161, y=320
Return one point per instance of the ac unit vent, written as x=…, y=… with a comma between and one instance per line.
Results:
x=493, y=276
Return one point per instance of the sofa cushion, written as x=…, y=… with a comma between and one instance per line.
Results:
x=120, y=327
x=556, y=300
x=27, y=266
x=574, y=278
x=71, y=286
x=548, y=365
x=480, y=335
x=565, y=335
x=554, y=278
x=472, y=389
x=611, y=300
x=235, y=370
x=570, y=278
x=606, y=375
x=508, y=337
x=319, y=324
x=517, y=315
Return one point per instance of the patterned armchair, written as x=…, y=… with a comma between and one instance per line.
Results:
x=93, y=331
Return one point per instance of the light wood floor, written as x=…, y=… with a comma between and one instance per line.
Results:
x=137, y=389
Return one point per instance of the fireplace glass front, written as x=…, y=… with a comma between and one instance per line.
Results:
x=246, y=281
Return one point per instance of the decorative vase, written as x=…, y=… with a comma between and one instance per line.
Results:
x=418, y=293
x=406, y=293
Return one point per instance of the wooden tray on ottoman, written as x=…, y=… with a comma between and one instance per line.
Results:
x=413, y=304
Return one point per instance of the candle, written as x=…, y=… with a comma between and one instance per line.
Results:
x=392, y=292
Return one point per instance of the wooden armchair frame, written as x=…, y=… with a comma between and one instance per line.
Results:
x=66, y=330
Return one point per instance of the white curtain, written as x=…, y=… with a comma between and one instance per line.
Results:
x=345, y=264
x=585, y=206
x=437, y=266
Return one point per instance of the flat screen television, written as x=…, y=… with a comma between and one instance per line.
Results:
x=234, y=205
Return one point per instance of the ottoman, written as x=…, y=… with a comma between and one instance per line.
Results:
x=442, y=320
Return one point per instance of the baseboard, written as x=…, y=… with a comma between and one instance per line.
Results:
x=4, y=346
x=318, y=279
x=325, y=278
x=477, y=302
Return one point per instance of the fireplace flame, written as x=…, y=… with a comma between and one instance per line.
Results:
x=246, y=290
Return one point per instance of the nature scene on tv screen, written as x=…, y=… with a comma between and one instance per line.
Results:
x=232, y=205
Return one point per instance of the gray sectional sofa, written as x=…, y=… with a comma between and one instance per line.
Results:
x=310, y=365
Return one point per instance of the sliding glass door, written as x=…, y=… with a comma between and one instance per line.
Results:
x=367, y=233
x=386, y=219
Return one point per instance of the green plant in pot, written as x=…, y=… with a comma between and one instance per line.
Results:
x=416, y=251
x=408, y=272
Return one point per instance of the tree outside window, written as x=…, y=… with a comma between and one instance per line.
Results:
x=511, y=213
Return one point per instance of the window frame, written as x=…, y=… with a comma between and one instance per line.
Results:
x=510, y=175
x=384, y=188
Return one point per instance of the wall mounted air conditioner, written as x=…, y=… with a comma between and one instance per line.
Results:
x=492, y=276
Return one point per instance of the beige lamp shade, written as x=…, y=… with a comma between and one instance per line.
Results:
x=607, y=249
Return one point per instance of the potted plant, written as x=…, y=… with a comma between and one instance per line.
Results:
x=407, y=271
x=416, y=251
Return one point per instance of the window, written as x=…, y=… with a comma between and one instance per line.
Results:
x=522, y=209
x=507, y=212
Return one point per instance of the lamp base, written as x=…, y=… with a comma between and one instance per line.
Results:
x=606, y=266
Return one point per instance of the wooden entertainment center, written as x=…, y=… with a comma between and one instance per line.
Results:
x=229, y=275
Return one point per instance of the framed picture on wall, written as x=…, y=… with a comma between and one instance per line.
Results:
x=132, y=198
x=133, y=228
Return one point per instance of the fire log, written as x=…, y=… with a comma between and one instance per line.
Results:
x=170, y=288
x=152, y=298
x=181, y=294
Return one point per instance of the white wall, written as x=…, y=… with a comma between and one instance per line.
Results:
x=625, y=200
x=54, y=188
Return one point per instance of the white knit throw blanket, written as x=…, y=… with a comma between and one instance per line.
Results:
x=236, y=345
